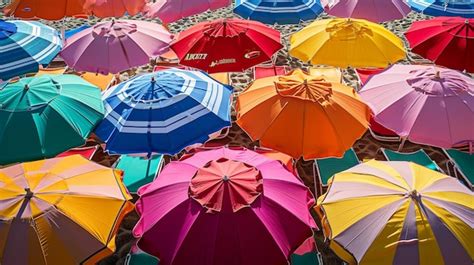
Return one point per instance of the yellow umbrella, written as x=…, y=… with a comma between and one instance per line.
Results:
x=60, y=211
x=383, y=212
x=347, y=42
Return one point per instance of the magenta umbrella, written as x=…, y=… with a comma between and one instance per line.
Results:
x=373, y=10
x=171, y=10
x=425, y=104
x=115, y=46
x=224, y=206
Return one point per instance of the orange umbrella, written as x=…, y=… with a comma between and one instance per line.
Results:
x=113, y=8
x=302, y=115
x=45, y=9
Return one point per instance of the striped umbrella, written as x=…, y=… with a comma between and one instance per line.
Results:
x=451, y=8
x=47, y=115
x=281, y=12
x=383, y=212
x=60, y=211
x=24, y=45
x=163, y=112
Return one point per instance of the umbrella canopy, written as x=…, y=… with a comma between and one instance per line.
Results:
x=113, y=8
x=446, y=41
x=47, y=115
x=383, y=212
x=325, y=118
x=376, y=11
x=172, y=10
x=45, y=9
x=60, y=211
x=224, y=207
x=226, y=45
x=347, y=42
x=281, y=12
x=25, y=45
x=425, y=104
x=115, y=46
x=451, y=8
x=163, y=112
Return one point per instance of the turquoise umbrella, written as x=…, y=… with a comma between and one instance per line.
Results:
x=41, y=117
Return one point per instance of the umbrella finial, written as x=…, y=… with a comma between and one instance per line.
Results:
x=225, y=178
x=29, y=193
x=26, y=87
x=153, y=79
x=437, y=74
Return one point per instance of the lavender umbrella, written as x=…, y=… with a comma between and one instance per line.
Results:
x=376, y=11
x=425, y=104
x=115, y=46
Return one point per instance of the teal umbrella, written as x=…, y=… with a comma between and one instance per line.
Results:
x=41, y=117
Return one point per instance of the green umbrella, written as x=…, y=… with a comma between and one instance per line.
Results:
x=41, y=117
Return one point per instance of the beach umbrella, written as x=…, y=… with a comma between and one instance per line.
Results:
x=447, y=41
x=302, y=115
x=347, y=43
x=224, y=206
x=60, y=211
x=113, y=8
x=451, y=8
x=383, y=212
x=281, y=12
x=115, y=46
x=44, y=9
x=163, y=112
x=424, y=104
x=43, y=116
x=226, y=45
x=376, y=11
x=24, y=45
x=172, y=10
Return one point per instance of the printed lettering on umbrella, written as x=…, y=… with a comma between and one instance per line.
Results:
x=222, y=61
x=195, y=56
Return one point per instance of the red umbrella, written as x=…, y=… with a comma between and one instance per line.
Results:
x=448, y=41
x=226, y=45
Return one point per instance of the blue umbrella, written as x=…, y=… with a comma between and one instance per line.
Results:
x=277, y=11
x=451, y=8
x=163, y=112
x=71, y=32
x=24, y=45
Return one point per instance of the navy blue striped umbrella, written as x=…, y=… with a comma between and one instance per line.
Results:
x=278, y=11
x=449, y=8
x=163, y=112
x=24, y=45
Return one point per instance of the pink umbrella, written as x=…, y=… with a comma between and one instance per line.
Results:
x=115, y=46
x=113, y=8
x=224, y=206
x=373, y=10
x=425, y=104
x=171, y=10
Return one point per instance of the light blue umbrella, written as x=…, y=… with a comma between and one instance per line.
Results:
x=163, y=112
x=450, y=8
x=24, y=45
x=278, y=11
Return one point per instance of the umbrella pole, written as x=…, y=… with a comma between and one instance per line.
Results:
x=400, y=147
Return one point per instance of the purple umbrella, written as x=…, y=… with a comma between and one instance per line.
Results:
x=115, y=46
x=425, y=104
x=373, y=10
x=224, y=206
